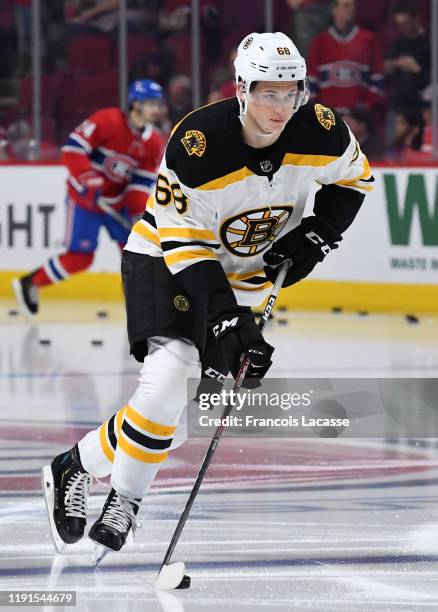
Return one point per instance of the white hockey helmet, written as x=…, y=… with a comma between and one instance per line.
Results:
x=270, y=57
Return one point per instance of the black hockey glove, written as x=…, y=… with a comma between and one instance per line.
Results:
x=304, y=246
x=237, y=333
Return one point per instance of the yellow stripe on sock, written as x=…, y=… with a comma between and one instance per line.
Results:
x=140, y=455
x=108, y=451
x=150, y=426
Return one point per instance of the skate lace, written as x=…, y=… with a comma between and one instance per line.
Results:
x=120, y=514
x=76, y=494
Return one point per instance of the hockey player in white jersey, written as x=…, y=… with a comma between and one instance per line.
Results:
x=227, y=209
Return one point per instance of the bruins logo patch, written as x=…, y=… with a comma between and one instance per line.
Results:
x=250, y=233
x=194, y=142
x=325, y=116
x=182, y=303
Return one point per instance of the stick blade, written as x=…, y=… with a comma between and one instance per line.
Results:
x=170, y=576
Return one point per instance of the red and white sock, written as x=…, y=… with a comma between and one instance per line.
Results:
x=61, y=267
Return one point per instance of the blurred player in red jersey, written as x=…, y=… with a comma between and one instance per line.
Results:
x=111, y=155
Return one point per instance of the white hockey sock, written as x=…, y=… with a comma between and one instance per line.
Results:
x=153, y=413
x=97, y=449
x=93, y=458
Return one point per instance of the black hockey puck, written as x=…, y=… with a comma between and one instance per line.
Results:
x=185, y=582
x=362, y=313
x=12, y=313
x=282, y=308
x=410, y=318
x=336, y=309
x=102, y=314
x=97, y=342
x=45, y=341
x=325, y=410
x=282, y=321
x=328, y=432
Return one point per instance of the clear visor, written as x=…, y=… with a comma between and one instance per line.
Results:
x=275, y=99
x=292, y=97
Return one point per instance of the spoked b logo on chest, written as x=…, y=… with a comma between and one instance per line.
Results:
x=251, y=232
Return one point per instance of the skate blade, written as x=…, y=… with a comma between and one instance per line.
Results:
x=170, y=576
x=48, y=490
x=100, y=552
x=16, y=286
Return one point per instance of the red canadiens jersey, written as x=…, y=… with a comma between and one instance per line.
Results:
x=127, y=161
x=346, y=72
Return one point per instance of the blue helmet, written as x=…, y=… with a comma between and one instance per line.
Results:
x=144, y=89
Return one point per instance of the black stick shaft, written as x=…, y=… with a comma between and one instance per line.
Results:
x=219, y=431
x=107, y=208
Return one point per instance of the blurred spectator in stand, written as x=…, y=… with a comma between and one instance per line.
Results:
x=428, y=94
x=175, y=21
x=179, y=98
x=224, y=85
x=408, y=138
x=163, y=123
x=102, y=16
x=23, y=21
x=23, y=146
x=361, y=124
x=8, y=37
x=175, y=16
x=310, y=17
x=345, y=64
x=407, y=65
x=54, y=31
x=5, y=150
x=156, y=66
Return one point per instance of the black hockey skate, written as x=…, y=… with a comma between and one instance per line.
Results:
x=26, y=294
x=111, y=529
x=66, y=486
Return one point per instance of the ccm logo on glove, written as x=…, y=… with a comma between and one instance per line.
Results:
x=237, y=334
x=223, y=325
x=304, y=247
x=318, y=240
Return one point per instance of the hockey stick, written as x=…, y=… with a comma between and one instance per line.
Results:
x=109, y=210
x=171, y=576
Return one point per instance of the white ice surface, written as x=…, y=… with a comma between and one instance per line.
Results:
x=345, y=525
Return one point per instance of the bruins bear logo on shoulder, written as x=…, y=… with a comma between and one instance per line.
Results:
x=194, y=142
x=325, y=116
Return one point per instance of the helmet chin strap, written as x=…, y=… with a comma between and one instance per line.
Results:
x=243, y=104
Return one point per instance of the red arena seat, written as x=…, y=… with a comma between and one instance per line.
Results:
x=89, y=53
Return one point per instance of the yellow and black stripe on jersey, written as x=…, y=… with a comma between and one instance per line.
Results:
x=221, y=200
x=226, y=159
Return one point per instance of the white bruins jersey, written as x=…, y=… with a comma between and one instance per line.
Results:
x=218, y=199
